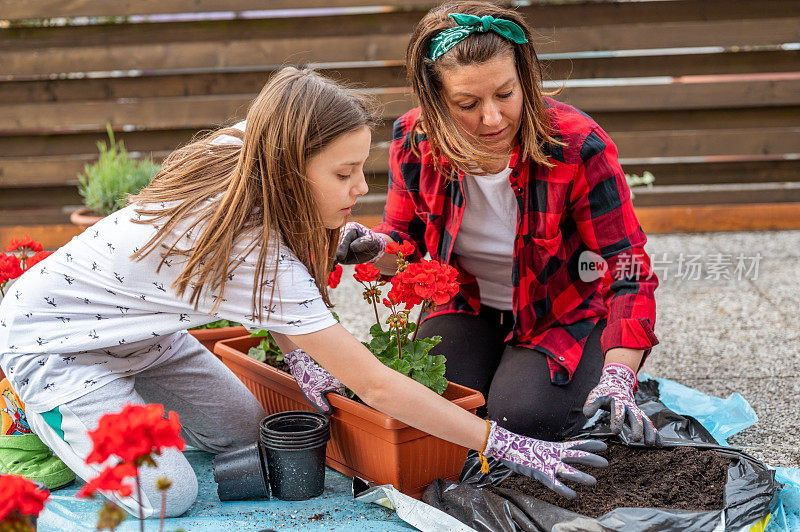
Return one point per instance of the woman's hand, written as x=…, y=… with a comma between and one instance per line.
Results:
x=313, y=379
x=614, y=393
x=543, y=460
x=359, y=244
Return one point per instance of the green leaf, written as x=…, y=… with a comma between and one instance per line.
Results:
x=436, y=365
x=270, y=347
x=419, y=348
x=432, y=375
x=259, y=333
x=439, y=386
x=257, y=353
x=379, y=343
x=400, y=365
x=375, y=330
x=389, y=354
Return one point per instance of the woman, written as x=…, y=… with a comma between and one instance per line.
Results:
x=242, y=225
x=525, y=196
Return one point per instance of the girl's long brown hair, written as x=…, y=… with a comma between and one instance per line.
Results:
x=425, y=77
x=252, y=192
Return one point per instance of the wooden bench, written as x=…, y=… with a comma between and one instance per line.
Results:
x=705, y=95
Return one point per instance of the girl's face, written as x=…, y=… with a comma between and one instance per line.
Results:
x=337, y=176
x=485, y=100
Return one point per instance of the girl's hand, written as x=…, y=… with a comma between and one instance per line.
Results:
x=614, y=393
x=359, y=244
x=313, y=379
x=545, y=461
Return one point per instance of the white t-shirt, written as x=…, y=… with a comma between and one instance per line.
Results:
x=485, y=240
x=89, y=313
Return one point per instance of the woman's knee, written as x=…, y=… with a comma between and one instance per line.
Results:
x=525, y=417
x=472, y=358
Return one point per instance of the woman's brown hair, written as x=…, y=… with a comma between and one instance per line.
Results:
x=425, y=77
x=250, y=193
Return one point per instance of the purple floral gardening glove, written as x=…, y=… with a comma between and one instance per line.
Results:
x=614, y=393
x=313, y=379
x=359, y=244
x=544, y=460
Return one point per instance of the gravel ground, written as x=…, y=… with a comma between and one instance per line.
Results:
x=720, y=330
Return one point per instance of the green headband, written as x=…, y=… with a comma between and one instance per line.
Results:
x=469, y=24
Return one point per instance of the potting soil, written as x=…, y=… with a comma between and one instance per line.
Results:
x=275, y=363
x=681, y=478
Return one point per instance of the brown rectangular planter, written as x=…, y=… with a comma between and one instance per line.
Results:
x=364, y=442
x=209, y=337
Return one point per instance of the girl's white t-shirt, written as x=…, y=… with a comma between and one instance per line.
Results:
x=89, y=313
x=485, y=240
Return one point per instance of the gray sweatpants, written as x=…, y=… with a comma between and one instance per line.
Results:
x=217, y=412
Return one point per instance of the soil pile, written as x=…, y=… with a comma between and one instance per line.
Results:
x=680, y=478
x=275, y=363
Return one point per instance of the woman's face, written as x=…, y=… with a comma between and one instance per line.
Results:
x=337, y=176
x=485, y=100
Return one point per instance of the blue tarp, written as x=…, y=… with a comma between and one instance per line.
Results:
x=334, y=509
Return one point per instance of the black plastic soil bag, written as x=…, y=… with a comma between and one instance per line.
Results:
x=750, y=489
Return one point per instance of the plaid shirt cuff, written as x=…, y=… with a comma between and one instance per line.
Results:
x=632, y=333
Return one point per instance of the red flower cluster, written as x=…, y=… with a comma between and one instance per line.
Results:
x=405, y=249
x=335, y=276
x=427, y=279
x=110, y=479
x=18, y=494
x=366, y=273
x=10, y=267
x=134, y=434
x=24, y=244
x=36, y=258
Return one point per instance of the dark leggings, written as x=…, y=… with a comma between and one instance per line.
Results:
x=515, y=380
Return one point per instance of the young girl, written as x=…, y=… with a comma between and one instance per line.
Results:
x=243, y=229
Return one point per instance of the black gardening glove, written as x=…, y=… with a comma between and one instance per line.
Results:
x=359, y=244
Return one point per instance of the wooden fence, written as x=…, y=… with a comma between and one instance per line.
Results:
x=703, y=94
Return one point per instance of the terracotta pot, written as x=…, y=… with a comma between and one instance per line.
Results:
x=209, y=337
x=84, y=218
x=364, y=442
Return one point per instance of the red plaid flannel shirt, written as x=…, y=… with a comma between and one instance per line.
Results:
x=580, y=203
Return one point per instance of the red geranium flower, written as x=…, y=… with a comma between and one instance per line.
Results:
x=18, y=494
x=423, y=280
x=366, y=273
x=134, y=434
x=10, y=267
x=110, y=479
x=335, y=276
x=38, y=257
x=405, y=249
x=25, y=242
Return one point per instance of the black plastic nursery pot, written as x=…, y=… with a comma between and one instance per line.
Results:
x=294, y=443
x=241, y=474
